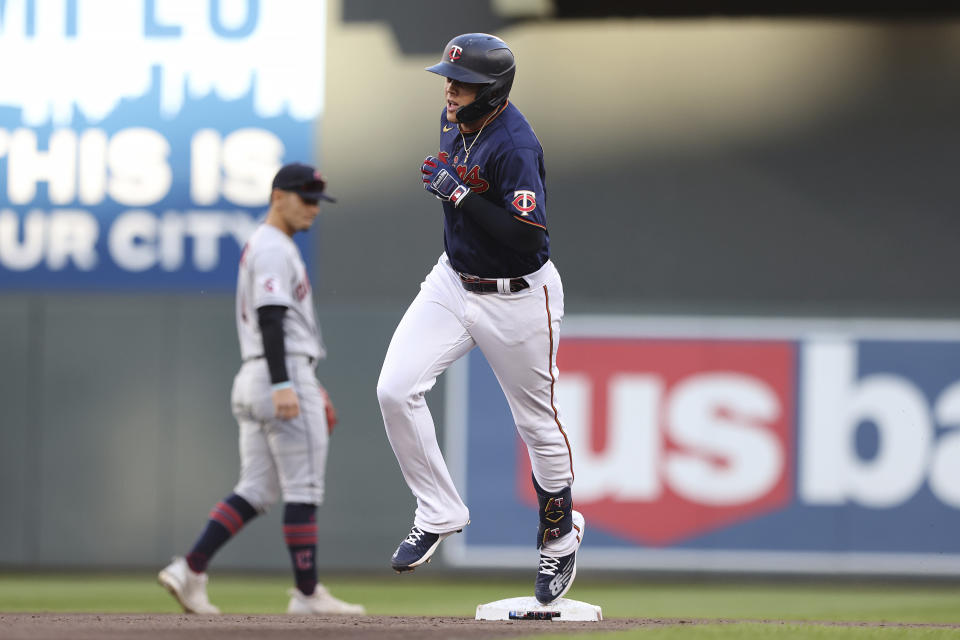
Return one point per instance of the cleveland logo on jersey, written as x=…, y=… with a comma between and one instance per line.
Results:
x=302, y=289
x=524, y=201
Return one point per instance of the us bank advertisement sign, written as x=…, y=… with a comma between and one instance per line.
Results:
x=139, y=138
x=724, y=444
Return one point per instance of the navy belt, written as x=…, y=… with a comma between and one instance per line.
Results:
x=487, y=285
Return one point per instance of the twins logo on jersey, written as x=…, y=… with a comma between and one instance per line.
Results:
x=524, y=201
x=472, y=178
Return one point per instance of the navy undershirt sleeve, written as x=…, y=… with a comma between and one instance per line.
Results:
x=270, y=318
x=499, y=223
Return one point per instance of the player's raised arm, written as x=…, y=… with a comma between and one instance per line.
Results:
x=440, y=179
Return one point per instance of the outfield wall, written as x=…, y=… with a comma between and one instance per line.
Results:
x=743, y=168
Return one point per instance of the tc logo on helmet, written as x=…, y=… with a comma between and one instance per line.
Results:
x=455, y=52
x=524, y=201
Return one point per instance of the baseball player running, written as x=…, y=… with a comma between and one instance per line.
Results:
x=494, y=288
x=284, y=415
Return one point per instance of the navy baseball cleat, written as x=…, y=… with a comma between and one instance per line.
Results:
x=556, y=574
x=417, y=548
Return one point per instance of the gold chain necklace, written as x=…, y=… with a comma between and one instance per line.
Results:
x=466, y=149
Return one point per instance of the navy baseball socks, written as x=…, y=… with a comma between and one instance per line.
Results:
x=417, y=548
x=300, y=534
x=558, y=538
x=310, y=597
x=226, y=519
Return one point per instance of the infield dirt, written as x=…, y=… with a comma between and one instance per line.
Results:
x=37, y=626
x=161, y=626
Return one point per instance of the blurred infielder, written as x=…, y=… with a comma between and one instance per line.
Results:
x=495, y=288
x=284, y=415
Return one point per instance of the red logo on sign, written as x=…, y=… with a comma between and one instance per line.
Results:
x=455, y=52
x=675, y=438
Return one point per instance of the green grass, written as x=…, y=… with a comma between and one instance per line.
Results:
x=458, y=595
x=777, y=600
x=763, y=632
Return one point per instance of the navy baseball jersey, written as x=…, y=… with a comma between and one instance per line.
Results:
x=504, y=165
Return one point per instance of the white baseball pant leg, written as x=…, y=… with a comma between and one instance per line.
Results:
x=516, y=333
x=430, y=337
x=519, y=335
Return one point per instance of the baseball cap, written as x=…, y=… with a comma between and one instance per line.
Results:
x=301, y=179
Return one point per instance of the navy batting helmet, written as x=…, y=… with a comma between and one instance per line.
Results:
x=479, y=58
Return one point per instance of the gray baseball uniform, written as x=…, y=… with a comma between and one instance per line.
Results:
x=278, y=457
x=282, y=410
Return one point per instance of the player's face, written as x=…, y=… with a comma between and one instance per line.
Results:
x=305, y=212
x=458, y=94
x=297, y=212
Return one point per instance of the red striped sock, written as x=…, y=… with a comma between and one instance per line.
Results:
x=300, y=533
x=226, y=519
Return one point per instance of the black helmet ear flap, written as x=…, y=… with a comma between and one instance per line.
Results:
x=486, y=101
x=479, y=58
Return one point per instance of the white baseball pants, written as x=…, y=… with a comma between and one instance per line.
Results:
x=518, y=333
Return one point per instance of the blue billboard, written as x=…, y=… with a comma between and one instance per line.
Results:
x=139, y=138
x=730, y=445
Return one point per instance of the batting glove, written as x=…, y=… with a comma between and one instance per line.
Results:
x=440, y=179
